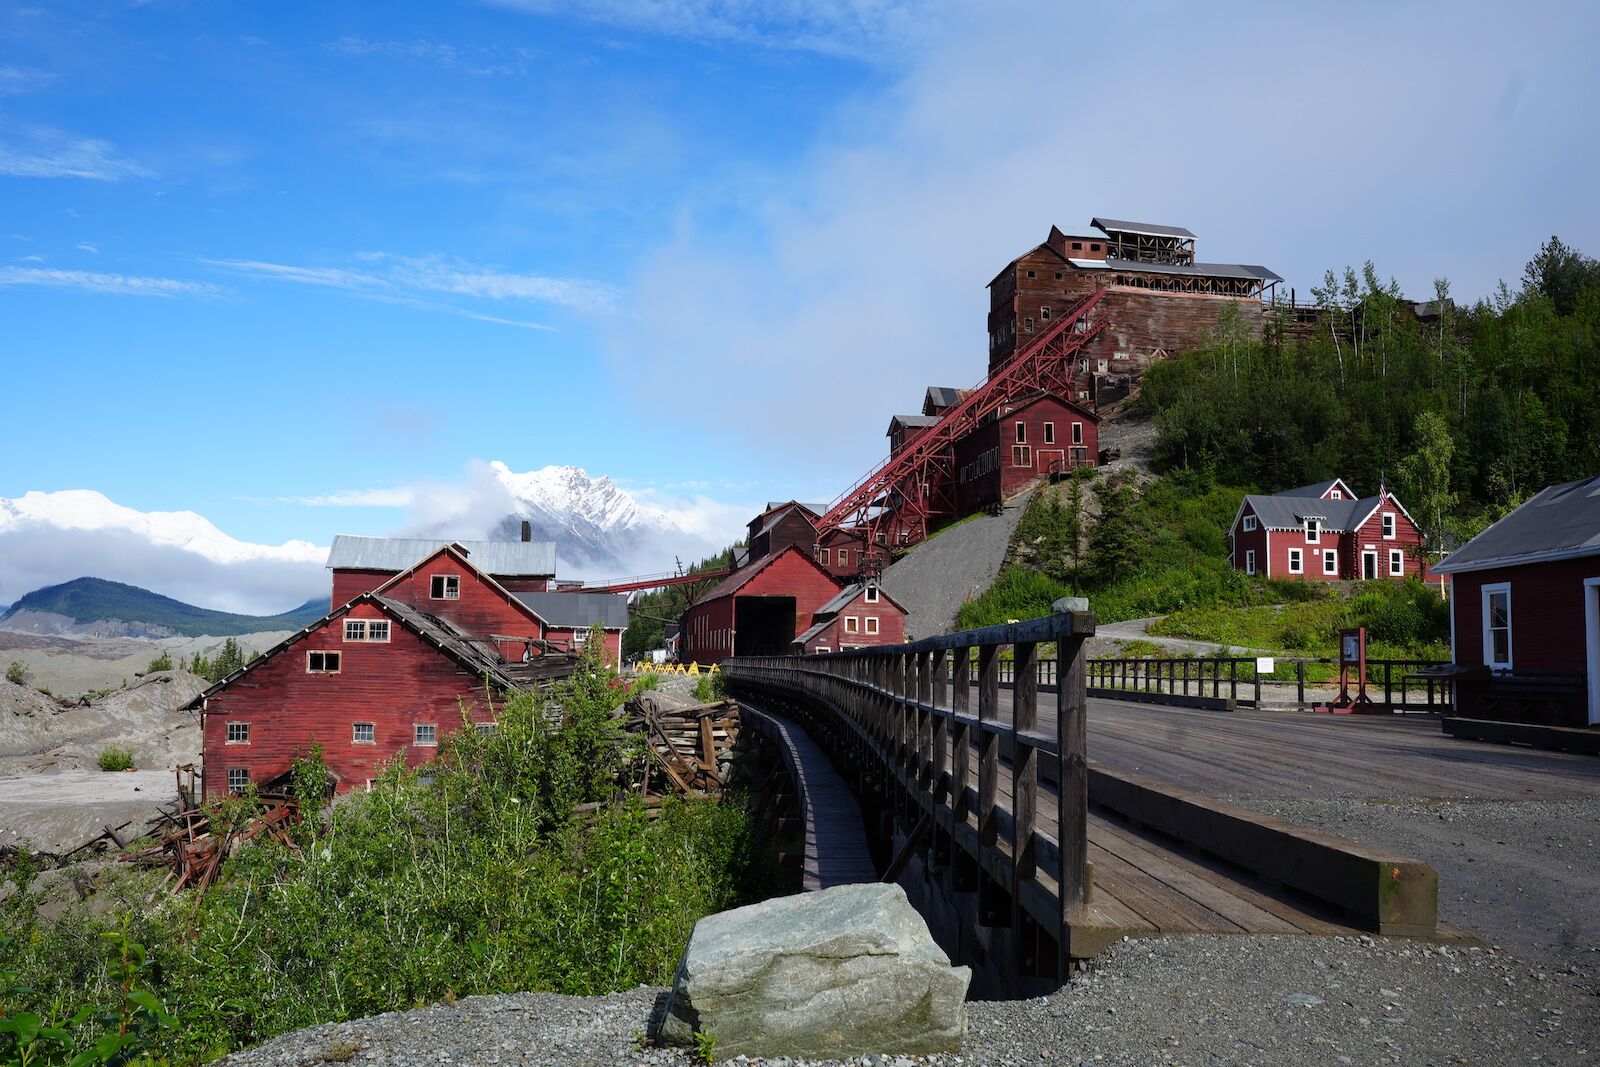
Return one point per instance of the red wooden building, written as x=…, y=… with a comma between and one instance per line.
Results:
x=362, y=564
x=1323, y=532
x=385, y=674
x=781, y=525
x=757, y=610
x=1525, y=612
x=861, y=614
x=1020, y=442
x=843, y=553
x=568, y=618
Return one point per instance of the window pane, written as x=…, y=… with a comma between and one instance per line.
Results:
x=1499, y=609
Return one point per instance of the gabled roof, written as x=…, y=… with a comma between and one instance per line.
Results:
x=771, y=518
x=455, y=551
x=448, y=639
x=579, y=611
x=943, y=396
x=911, y=422
x=1029, y=399
x=1318, y=489
x=519, y=558
x=1280, y=512
x=1560, y=522
x=1197, y=270
x=739, y=579
x=815, y=630
x=774, y=505
x=1149, y=229
x=846, y=596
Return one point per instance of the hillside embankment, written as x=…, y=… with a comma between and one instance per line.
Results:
x=71, y=666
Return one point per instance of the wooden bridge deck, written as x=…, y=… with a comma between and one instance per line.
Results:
x=1144, y=885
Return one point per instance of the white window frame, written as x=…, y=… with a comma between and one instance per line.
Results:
x=324, y=653
x=433, y=734
x=1249, y=561
x=242, y=728
x=852, y=625
x=1388, y=521
x=1297, y=561
x=1022, y=434
x=1022, y=456
x=1044, y=314
x=871, y=595
x=355, y=733
x=244, y=774
x=1335, y=494
x=364, y=629
x=1397, y=563
x=1485, y=594
x=824, y=557
x=820, y=650
x=1330, y=561
x=445, y=592
x=1313, y=530
x=1249, y=524
x=1077, y=433
x=843, y=556
x=872, y=624
x=1049, y=433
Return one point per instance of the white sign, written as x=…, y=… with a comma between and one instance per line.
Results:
x=1352, y=648
x=1265, y=665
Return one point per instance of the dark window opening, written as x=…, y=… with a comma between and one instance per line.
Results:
x=445, y=587
x=322, y=662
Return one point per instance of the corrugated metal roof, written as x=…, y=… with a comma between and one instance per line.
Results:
x=912, y=422
x=1149, y=229
x=944, y=396
x=1560, y=522
x=1314, y=489
x=579, y=610
x=519, y=558
x=1196, y=270
x=1282, y=512
x=816, y=628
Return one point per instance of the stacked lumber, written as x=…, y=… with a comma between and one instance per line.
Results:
x=687, y=746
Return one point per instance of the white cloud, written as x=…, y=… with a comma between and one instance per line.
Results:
x=418, y=281
x=358, y=498
x=15, y=81
x=868, y=30
x=48, y=538
x=44, y=153
x=95, y=282
x=85, y=246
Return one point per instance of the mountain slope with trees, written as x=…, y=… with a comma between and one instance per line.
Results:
x=141, y=613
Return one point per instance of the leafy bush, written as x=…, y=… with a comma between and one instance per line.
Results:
x=711, y=686
x=1018, y=593
x=162, y=662
x=17, y=673
x=115, y=758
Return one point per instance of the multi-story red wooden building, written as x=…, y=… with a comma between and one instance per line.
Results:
x=757, y=610
x=391, y=670
x=862, y=614
x=362, y=564
x=1159, y=300
x=1525, y=612
x=1323, y=532
x=1020, y=442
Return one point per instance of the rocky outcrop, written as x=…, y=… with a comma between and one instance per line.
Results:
x=846, y=971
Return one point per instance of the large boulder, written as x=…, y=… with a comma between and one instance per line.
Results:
x=840, y=972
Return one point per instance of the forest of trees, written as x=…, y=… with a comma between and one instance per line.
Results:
x=1466, y=413
x=650, y=612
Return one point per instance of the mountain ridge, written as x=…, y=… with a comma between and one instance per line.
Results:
x=90, y=606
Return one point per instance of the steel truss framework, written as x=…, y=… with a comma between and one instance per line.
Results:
x=895, y=503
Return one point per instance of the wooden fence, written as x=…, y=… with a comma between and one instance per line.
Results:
x=909, y=708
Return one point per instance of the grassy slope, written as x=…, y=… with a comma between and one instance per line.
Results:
x=95, y=599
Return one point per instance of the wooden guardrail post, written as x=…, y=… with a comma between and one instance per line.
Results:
x=961, y=707
x=988, y=742
x=1073, y=777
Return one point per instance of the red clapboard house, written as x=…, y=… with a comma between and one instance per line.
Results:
x=362, y=564
x=1525, y=612
x=860, y=615
x=841, y=553
x=1323, y=532
x=758, y=610
x=1022, y=440
x=387, y=673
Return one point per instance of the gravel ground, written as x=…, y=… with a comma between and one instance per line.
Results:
x=936, y=577
x=1197, y=1000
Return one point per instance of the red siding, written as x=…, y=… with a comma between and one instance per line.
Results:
x=481, y=609
x=1547, y=619
x=708, y=634
x=566, y=636
x=1244, y=541
x=347, y=585
x=1369, y=537
x=393, y=685
x=975, y=491
x=851, y=545
x=835, y=637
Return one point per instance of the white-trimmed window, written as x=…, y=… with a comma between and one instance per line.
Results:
x=364, y=733
x=322, y=662
x=821, y=650
x=238, y=779
x=1249, y=524
x=1388, y=526
x=852, y=624
x=1313, y=531
x=238, y=733
x=823, y=556
x=1249, y=561
x=445, y=587
x=1077, y=433
x=1044, y=313
x=1297, y=561
x=872, y=624
x=1335, y=494
x=1397, y=563
x=1049, y=433
x=1330, y=561
x=844, y=557
x=871, y=594
x=425, y=733
x=366, y=629
x=1497, y=626
x=1022, y=433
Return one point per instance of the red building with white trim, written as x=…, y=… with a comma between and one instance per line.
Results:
x=1323, y=532
x=758, y=610
x=1019, y=443
x=861, y=615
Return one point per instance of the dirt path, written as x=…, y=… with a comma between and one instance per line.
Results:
x=1138, y=630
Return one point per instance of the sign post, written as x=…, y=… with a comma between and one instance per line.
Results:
x=1352, y=661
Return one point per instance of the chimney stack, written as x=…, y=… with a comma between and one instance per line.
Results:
x=527, y=531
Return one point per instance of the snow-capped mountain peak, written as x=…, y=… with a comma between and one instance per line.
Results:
x=569, y=492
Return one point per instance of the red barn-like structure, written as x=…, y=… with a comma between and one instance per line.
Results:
x=860, y=615
x=758, y=610
x=1323, y=532
x=1020, y=442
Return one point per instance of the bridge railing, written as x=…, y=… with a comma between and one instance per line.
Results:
x=913, y=710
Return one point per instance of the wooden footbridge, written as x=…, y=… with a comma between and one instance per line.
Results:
x=979, y=798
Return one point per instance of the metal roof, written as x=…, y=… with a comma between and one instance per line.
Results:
x=579, y=610
x=478, y=657
x=944, y=396
x=912, y=422
x=1315, y=488
x=519, y=558
x=1561, y=522
x=1199, y=270
x=1283, y=512
x=1149, y=229
x=816, y=628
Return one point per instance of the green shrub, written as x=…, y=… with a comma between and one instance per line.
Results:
x=710, y=687
x=162, y=662
x=17, y=673
x=116, y=758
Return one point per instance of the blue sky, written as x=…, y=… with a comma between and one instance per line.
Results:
x=255, y=258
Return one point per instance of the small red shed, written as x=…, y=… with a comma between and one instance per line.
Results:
x=860, y=615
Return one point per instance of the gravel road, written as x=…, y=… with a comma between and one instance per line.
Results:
x=1196, y=1000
